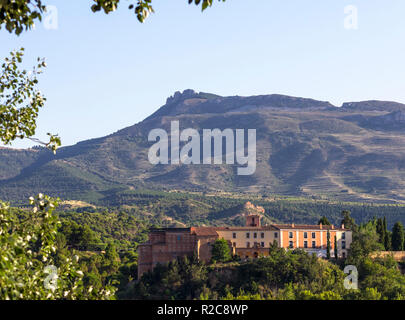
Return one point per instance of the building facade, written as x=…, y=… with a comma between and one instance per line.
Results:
x=251, y=241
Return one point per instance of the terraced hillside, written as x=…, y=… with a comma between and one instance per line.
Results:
x=305, y=147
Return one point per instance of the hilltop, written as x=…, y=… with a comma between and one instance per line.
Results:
x=305, y=147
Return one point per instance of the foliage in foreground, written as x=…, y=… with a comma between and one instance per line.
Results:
x=17, y=15
x=31, y=267
x=20, y=101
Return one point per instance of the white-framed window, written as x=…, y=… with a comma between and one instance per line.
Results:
x=305, y=235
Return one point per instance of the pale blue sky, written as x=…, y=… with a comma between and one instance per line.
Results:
x=108, y=72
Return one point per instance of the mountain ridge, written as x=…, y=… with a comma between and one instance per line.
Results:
x=306, y=147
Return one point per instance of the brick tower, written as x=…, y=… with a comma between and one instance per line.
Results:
x=253, y=220
x=253, y=214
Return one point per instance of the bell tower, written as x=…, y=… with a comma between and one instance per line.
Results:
x=253, y=220
x=253, y=214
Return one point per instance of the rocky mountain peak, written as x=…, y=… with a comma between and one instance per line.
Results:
x=178, y=96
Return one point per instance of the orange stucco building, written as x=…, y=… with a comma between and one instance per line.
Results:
x=251, y=241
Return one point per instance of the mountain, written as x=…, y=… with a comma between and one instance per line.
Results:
x=305, y=147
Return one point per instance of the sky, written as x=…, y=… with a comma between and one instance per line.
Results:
x=107, y=72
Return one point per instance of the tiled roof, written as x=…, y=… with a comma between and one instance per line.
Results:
x=170, y=229
x=204, y=231
x=308, y=227
x=268, y=227
x=212, y=231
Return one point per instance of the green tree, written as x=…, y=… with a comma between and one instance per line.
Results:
x=328, y=245
x=20, y=15
x=384, y=235
x=220, y=251
x=111, y=260
x=28, y=268
x=336, y=249
x=370, y=294
x=398, y=237
x=380, y=230
x=348, y=221
x=387, y=241
x=80, y=237
x=387, y=236
x=183, y=278
x=20, y=101
x=324, y=221
x=365, y=242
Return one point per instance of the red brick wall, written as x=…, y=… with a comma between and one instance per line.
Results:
x=164, y=247
x=144, y=259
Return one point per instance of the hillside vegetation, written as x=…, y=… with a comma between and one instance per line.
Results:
x=195, y=208
x=305, y=148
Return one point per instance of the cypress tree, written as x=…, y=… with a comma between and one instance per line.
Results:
x=380, y=230
x=336, y=249
x=347, y=220
x=387, y=242
x=324, y=221
x=387, y=238
x=398, y=237
x=328, y=245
